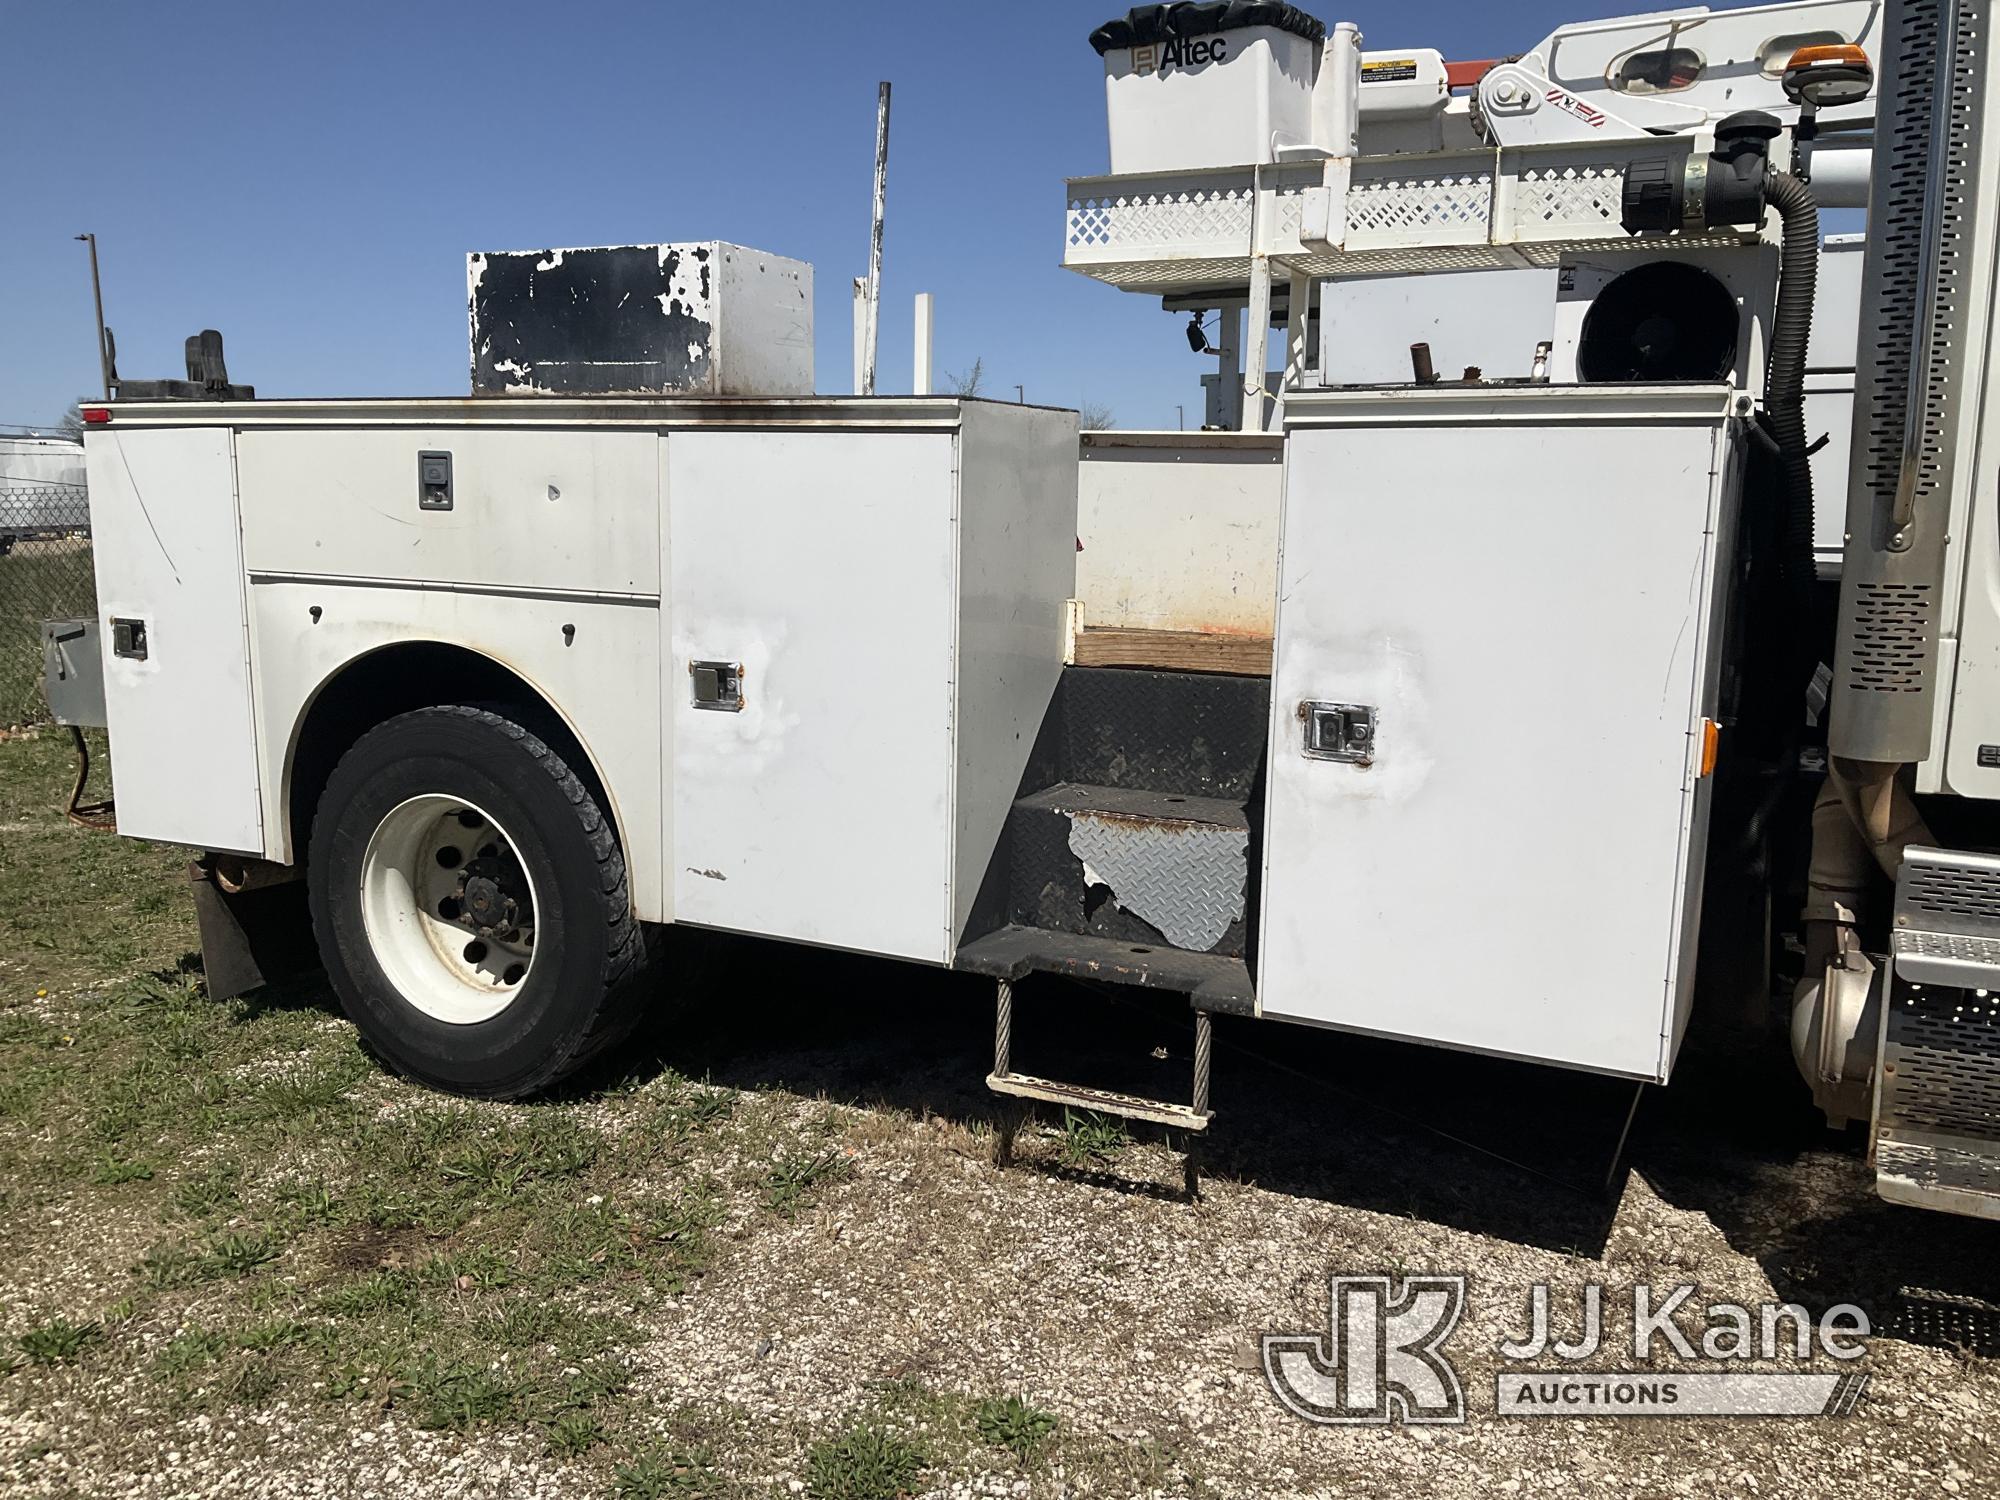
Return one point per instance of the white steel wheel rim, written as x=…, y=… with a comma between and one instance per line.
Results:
x=459, y=952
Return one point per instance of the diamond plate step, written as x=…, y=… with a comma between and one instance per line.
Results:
x=1147, y=868
x=1199, y=733
x=1151, y=807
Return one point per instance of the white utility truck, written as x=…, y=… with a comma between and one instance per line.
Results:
x=1432, y=708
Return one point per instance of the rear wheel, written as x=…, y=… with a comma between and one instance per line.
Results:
x=471, y=904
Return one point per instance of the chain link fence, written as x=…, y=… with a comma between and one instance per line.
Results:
x=46, y=573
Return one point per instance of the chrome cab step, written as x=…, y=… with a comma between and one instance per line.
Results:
x=1935, y=1136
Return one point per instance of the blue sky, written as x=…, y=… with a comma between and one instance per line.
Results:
x=309, y=178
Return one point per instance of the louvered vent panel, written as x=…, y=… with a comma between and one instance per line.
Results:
x=1907, y=150
x=1951, y=892
x=1891, y=626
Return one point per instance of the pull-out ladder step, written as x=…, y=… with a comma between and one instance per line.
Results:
x=1100, y=1101
x=1192, y=1117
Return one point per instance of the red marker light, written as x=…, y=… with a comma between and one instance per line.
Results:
x=96, y=416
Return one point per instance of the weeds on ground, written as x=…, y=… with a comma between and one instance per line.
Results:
x=574, y=1434
x=865, y=1462
x=795, y=1175
x=1009, y=1422
x=668, y=1474
x=1091, y=1140
x=58, y=1341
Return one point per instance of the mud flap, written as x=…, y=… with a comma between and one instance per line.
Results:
x=253, y=937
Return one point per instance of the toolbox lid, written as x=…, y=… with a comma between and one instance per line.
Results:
x=1157, y=23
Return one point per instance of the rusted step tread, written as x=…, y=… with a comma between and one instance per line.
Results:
x=1211, y=981
x=1100, y=1101
x=1122, y=802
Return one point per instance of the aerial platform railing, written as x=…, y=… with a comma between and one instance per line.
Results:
x=1192, y=231
x=1230, y=233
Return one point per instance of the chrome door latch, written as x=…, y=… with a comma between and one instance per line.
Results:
x=434, y=479
x=1338, y=731
x=718, y=685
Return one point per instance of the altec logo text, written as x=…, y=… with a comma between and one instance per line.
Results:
x=1382, y=1358
x=1179, y=52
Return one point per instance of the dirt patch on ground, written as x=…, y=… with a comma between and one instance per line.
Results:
x=371, y=1247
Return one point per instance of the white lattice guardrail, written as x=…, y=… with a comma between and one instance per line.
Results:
x=1461, y=210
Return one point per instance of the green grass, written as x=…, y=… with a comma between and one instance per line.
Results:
x=187, y=1352
x=207, y=1192
x=79, y=906
x=1009, y=1422
x=238, y=1254
x=1091, y=1140
x=112, y=1170
x=280, y=1220
x=796, y=1175
x=668, y=1474
x=58, y=1341
x=293, y=1222
x=574, y=1434
x=865, y=1462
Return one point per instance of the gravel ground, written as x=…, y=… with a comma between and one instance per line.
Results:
x=898, y=1279
x=1132, y=1316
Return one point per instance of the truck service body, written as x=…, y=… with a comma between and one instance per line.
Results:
x=1435, y=708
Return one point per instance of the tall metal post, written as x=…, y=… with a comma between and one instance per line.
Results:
x=103, y=340
x=921, y=384
x=875, y=238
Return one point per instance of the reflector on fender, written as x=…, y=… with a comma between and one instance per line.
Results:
x=1711, y=742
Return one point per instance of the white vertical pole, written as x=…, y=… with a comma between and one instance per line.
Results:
x=1229, y=389
x=1298, y=313
x=1256, y=345
x=1256, y=337
x=1298, y=322
x=921, y=385
x=1342, y=62
x=860, y=335
x=875, y=236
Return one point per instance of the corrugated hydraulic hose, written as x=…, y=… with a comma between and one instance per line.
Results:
x=1785, y=374
x=1785, y=425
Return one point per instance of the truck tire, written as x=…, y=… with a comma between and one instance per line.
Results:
x=470, y=902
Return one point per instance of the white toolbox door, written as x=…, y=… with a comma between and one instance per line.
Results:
x=168, y=556
x=1527, y=602
x=820, y=562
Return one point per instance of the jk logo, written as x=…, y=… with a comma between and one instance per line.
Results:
x=1378, y=1360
